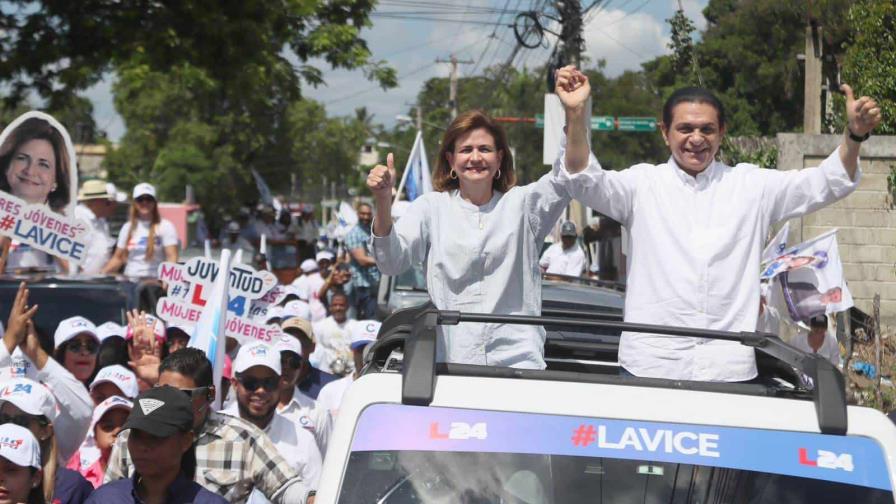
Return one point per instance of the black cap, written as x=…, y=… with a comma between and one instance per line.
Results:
x=568, y=228
x=818, y=321
x=161, y=411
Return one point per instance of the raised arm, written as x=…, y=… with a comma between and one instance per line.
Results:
x=863, y=115
x=792, y=193
x=573, y=89
x=379, y=180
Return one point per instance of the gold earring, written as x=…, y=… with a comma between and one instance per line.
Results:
x=452, y=174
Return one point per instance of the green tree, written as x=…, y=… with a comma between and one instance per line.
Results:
x=870, y=63
x=59, y=46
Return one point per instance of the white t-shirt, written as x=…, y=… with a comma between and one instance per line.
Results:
x=330, y=396
x=333, y=341
x=830, y=349
x=100, y=242
x=137, y=265
x=560, y=261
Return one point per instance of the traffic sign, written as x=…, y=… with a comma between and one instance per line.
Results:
x=636, y=124
x=610, y=123
x=602, y=123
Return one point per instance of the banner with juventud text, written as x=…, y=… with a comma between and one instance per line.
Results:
x=38, y=193
x=249, y=294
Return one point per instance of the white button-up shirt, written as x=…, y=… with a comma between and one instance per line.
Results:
x=479, y=259
x=302, y=410
x=695, y=249
x=294, y=444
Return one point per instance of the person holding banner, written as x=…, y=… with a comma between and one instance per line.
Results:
x=478, y=236
x=697, y=226
x=36, y=165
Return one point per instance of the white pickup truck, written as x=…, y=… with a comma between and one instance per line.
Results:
x=412, y=431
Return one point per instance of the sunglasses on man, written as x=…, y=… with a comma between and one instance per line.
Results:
x=250, y=383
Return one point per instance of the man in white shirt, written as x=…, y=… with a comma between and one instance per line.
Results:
x=333, y=354
x=819, y=340
x=697, y=227
x=256, y=378
x=363, y=332
x=566, y=257
x=293, y=404
x=95, y=204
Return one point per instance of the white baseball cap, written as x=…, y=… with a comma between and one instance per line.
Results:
x=308, y=265
x=297, y=308
x=363, y=332
x=119, y=196
x=29, y=396
x=19, y=446
x=121, y=377
x=257, y=354
x=324, y=255
x=287, y=343
x=71, y=327
x=144, y=189
x=107, y=329
x=274, y=312
x=111, y=403
x=295, y=291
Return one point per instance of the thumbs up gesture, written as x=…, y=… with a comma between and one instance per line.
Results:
x=380, y=179
x=863, y=114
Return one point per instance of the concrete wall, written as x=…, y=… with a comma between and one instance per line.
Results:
x=866, y=219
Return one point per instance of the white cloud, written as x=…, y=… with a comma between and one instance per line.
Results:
x=624, y=41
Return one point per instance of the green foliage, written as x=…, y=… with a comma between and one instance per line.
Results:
x=758, y=152
x=185, y=127
x=870, y=63
x=682, y=46
x=58, y=46
x=748, y=56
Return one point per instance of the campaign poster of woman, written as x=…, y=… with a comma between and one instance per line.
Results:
x=40, y=173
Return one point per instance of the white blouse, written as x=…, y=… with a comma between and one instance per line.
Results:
x=480, y=259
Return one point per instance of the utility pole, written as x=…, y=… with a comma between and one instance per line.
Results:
x=571, y=53
x=452, y=90
x=812, y=82
x=571, y=33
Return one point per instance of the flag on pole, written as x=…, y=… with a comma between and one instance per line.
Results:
x=208, y=333
x=419, y=178
x=776, y=245
x=808, y=279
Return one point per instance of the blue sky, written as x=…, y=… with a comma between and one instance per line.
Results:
x=623, y=32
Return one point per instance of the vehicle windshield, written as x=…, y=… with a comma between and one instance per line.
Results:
x=412, y=279
x=448, y=455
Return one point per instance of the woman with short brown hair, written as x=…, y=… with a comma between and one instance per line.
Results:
x=478, y=236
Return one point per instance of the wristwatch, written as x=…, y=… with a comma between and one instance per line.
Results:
x=857, y=138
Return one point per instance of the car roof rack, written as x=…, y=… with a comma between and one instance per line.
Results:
x=413, y=330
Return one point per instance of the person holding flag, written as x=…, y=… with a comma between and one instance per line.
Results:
x=478, y=236
x=697, y=226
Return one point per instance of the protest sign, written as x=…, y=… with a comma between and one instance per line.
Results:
x=38, y=191
x=189, y=288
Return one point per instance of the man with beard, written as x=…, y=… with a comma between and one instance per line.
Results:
x=256, y=383
x=365, y=274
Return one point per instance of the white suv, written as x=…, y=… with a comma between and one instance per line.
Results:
x=579, y=433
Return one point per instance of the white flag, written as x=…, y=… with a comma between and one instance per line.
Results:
x=208, y=334
x=810, y=279
x=776, y=245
